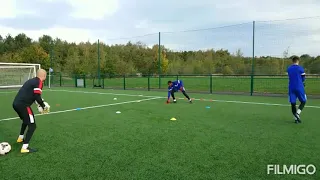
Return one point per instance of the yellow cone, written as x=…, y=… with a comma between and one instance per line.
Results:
x=173, y=119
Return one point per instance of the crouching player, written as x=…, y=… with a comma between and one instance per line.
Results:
x=27, y=95
x=296, y=88
x=174, y=87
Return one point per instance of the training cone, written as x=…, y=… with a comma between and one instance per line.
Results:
x=173, y=119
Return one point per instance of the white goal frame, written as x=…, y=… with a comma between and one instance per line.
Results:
x=33, y=67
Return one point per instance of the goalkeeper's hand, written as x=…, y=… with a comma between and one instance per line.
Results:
x=44, y=110
x=38, y=103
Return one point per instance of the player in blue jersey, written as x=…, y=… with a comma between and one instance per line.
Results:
x=296, y=88
x=174, y=87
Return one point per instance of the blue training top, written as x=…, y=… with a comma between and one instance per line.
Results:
x=176, y=85
x=296, y=76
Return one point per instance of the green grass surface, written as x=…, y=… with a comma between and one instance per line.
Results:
x=233, y=84
x=231, y=140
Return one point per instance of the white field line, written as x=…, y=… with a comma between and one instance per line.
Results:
x=7, y=92
x=89, y=107
x=224, y=101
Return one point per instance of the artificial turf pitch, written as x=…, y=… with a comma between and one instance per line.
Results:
x=236, y=138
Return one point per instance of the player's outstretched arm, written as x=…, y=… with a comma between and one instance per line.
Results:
x=169, y=94
x=39, y=100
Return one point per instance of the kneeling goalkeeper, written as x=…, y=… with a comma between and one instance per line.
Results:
x=29, y=93
x=174, y=87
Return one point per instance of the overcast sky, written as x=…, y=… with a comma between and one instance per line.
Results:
x=114, y=21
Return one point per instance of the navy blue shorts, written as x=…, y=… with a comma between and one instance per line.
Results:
x=294, y=94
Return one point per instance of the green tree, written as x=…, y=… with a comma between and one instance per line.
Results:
x=137, y=57
x=315, y=66
x=46, y=42
x=2, y=50
x=35, y=54
x=9, y=44
x=164, y=62
x=21, y=41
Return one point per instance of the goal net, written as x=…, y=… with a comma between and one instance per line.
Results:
x=14, y=75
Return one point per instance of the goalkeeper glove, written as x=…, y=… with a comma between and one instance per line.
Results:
x=44, y=110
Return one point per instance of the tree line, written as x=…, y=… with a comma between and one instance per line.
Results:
x=137, y=57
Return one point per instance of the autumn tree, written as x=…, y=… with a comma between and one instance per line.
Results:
x=137, y=57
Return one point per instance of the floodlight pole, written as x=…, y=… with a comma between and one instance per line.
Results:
x=99, y=79
x=50, y=69
x=159, y=60
x=252, y=63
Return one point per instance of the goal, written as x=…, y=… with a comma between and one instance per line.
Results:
x=14, y=75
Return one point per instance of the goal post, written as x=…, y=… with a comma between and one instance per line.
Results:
x=14, y=75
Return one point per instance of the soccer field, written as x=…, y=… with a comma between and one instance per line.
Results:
x=236, y=138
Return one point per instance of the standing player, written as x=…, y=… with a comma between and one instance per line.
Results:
x=296, y=76
x=174, y=87
x=29, y=93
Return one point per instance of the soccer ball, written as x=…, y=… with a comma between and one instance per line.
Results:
x=5, y=148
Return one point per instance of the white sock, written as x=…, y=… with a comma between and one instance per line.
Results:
x=25, y=146
x=21, y=136
x=298, y=111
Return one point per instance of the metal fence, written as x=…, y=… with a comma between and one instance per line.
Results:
x=240, y=84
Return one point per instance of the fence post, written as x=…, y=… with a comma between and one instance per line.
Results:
x=148, y=82
x=103, y=81
x=75, y=80
x=124, y=82
x=252, y=63
x=211, y=83
x=60, y=79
